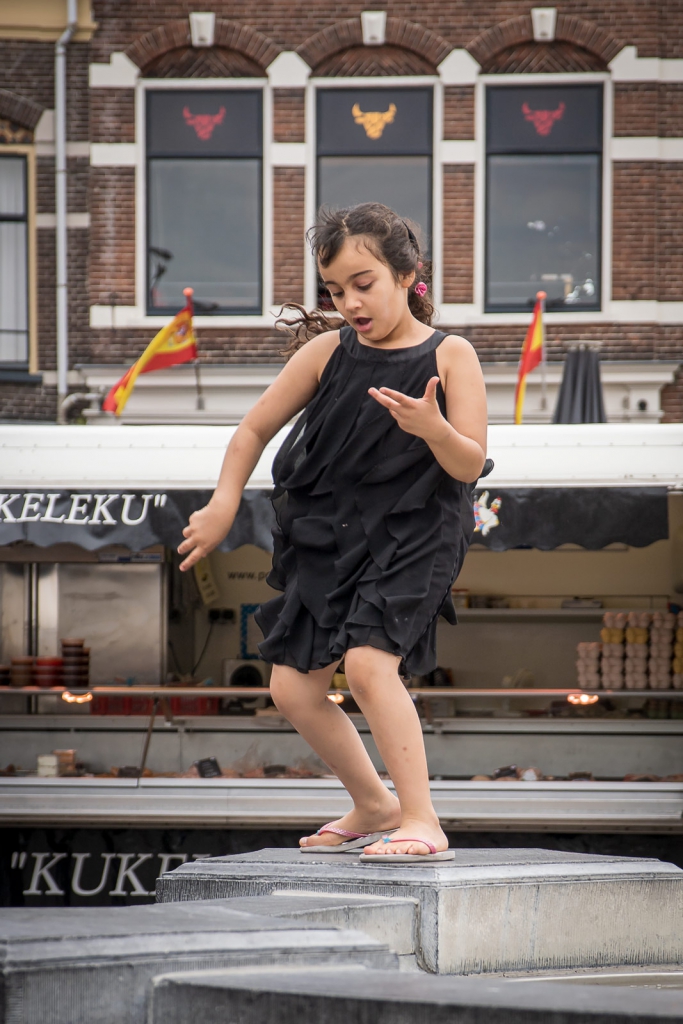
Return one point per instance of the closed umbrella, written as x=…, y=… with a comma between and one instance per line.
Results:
x=580, y=399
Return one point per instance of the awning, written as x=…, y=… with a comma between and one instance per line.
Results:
x=588, y=484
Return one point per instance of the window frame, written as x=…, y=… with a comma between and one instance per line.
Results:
x=30, y=365
x=142, y=317
x=311, y=193
x=595, y=309
x=573, y=315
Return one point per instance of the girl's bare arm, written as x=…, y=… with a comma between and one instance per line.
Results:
x=293, y=388
x=458, y=440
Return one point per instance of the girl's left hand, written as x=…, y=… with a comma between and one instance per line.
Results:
x=419, y=416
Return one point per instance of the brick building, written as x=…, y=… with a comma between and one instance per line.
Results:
x=534, y=148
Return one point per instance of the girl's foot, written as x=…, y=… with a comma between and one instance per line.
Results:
x=358, y=821
x=412, y=830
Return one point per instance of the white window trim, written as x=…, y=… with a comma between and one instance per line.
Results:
x=27, y=150
x=381, y=82
x=136, y=316
x=475, y=312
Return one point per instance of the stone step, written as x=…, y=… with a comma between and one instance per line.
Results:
x=344, y=995
x=87, y=965
x=390, y=921
x=486, y=911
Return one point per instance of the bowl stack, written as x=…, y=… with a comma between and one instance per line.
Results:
x=21, y=671
x=48, y=672
x=76, y=659
x=661, y=650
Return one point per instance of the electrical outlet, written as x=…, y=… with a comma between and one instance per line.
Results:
x=221, y=615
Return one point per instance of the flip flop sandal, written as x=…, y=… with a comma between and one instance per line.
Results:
x=408, y=858
x=354, y=840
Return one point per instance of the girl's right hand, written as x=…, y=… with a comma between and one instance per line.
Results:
x=206, y=529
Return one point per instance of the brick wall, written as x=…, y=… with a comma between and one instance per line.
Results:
x=672, y=400
x=112, y=113
x=458, y=232
x=655, y=28
x=216, y=345
x=364, y=61
x=634, y=230
x=669, y=236
x=502, y=342
x=288, y=241
x=458, y=112
x=543, y=59
x=112, y=234
x=28, y=402
x=47, y=337
x=289, y=122
x=636, y=108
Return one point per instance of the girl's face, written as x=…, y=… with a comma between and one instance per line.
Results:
x=365, y=291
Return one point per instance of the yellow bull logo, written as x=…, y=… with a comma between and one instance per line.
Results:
x=374, y=121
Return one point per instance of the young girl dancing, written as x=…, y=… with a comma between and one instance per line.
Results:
x=373, y=504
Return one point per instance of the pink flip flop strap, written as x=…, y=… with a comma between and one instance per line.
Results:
x=341, y=832
x=432, y=849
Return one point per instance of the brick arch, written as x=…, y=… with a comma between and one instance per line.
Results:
x=146, y=50
x=543, y=58
x=20, y=111
x=347, y=35
x=569, y=29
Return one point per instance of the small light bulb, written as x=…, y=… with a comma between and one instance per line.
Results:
x=72, y=698
x=583, y=698
x=336, y=698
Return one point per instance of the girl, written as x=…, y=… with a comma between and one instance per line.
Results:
x=373, y=518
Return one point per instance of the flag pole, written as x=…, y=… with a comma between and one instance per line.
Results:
x=188, y=293
x=541, y=296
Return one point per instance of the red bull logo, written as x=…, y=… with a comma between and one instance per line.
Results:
x=203, y=124
x=543, y=120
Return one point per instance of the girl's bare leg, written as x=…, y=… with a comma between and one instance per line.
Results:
x=302, y=699
x=389, y=710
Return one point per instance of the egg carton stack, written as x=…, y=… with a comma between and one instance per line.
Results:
x=637, y=650
x=588, y=665
x=661, y=650
x=677, y=664
x=612, y=660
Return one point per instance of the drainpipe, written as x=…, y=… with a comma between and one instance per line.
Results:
x=60, y=206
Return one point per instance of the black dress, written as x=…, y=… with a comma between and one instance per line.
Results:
x=370, y=531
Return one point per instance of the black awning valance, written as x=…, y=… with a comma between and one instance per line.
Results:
x=546, y=517
x=536, y=517
x=133, y=519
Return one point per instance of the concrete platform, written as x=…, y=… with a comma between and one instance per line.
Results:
x=487, y=911
x=356, y=996
x=96, y=965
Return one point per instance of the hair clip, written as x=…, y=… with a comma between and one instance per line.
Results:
x=411, y=237
x=421, y=289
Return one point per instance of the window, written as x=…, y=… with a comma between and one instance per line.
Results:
x=204, y=200
x=13, y=262
x=543, y=196
x=375, y=145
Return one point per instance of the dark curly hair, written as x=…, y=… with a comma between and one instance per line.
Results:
x=389, y=238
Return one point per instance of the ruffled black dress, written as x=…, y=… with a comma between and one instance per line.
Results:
x=370, y=531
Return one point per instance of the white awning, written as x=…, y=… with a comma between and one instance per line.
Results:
x=175, y=457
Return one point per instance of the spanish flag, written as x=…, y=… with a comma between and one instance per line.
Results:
x=175, y=343
x=532, y=354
